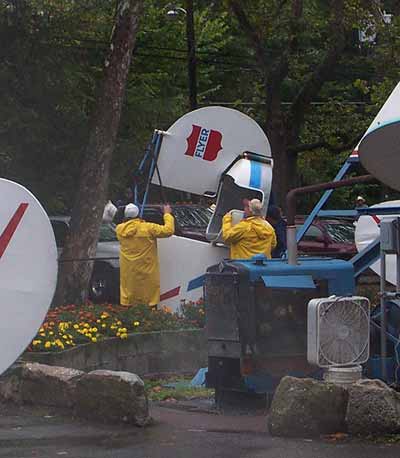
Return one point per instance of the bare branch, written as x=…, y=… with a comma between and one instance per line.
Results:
x=309, y=147
x=280, y=69
x=249, y=30
x=321, y=73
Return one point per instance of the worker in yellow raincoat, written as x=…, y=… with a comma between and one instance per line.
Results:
x=139, y=269
x=253, y=235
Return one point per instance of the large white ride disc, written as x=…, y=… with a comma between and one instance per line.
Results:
x=379, y=152
x=367, y=231
x=389, y=113
x=28, y=269
x=199, y=146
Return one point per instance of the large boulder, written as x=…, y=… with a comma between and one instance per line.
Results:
x=373, y=408
x=35, y=383
x=111, y=396
x=307, y=408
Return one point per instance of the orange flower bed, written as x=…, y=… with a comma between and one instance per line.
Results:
x=71, y=325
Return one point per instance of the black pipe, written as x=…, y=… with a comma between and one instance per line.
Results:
x=292, y=194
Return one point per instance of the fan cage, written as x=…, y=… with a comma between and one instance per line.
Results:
x=343, y=326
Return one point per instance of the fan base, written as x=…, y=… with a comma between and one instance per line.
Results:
x=343, y=375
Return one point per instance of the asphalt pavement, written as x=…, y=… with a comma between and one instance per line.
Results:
x=176, y=433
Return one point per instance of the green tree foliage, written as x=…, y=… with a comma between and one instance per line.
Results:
x=52, y=55
x=309, y=56
x=51, y=61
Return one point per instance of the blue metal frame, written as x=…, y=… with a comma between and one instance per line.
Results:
x=379, y=211
x=157, y=139
x=365, y=258
x=338, y=213
x=307, y=223
x=139, y=171
x=371, y=253
x=151, y=154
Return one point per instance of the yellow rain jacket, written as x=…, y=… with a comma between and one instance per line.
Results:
x=139, y=269
x=251, y=236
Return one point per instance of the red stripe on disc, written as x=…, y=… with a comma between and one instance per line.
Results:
x=8, y=232
x=376, y=219
x=170, y=294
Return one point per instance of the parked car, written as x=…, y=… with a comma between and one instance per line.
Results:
x=104, y=284
x=328, y=237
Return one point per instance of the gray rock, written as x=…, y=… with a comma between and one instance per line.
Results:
x=111, y=396
x=10, y=389
x=307, y=408
x=35, y=383
x=373, y=408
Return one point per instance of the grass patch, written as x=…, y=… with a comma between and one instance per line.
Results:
x=157, y=391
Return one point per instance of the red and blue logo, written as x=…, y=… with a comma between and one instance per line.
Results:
x=204, y=143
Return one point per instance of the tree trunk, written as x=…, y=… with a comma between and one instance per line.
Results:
x=285, y=172
x=81, y=243
x=285, y=163
x=191, y=45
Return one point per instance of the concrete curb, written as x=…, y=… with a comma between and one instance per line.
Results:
x=143, y=354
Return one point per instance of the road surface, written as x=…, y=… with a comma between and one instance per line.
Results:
x=176, y=433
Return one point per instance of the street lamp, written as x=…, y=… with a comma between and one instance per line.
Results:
x=173, y=12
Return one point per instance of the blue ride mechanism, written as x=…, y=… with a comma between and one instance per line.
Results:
x=257, y=315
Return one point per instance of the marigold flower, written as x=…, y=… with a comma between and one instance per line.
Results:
x=76, y=326
x=94, y=339
x=47, y=344
x=124, y=335
x=136, y=323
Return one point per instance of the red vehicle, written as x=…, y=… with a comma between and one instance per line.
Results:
x=328, y=237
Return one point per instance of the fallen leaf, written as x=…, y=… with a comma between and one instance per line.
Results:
x=335, y=437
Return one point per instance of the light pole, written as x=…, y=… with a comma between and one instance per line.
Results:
x=172, y=12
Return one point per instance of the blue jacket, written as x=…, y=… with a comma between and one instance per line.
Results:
x=280, y=231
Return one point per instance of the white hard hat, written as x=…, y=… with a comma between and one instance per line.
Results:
x=131, y=211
